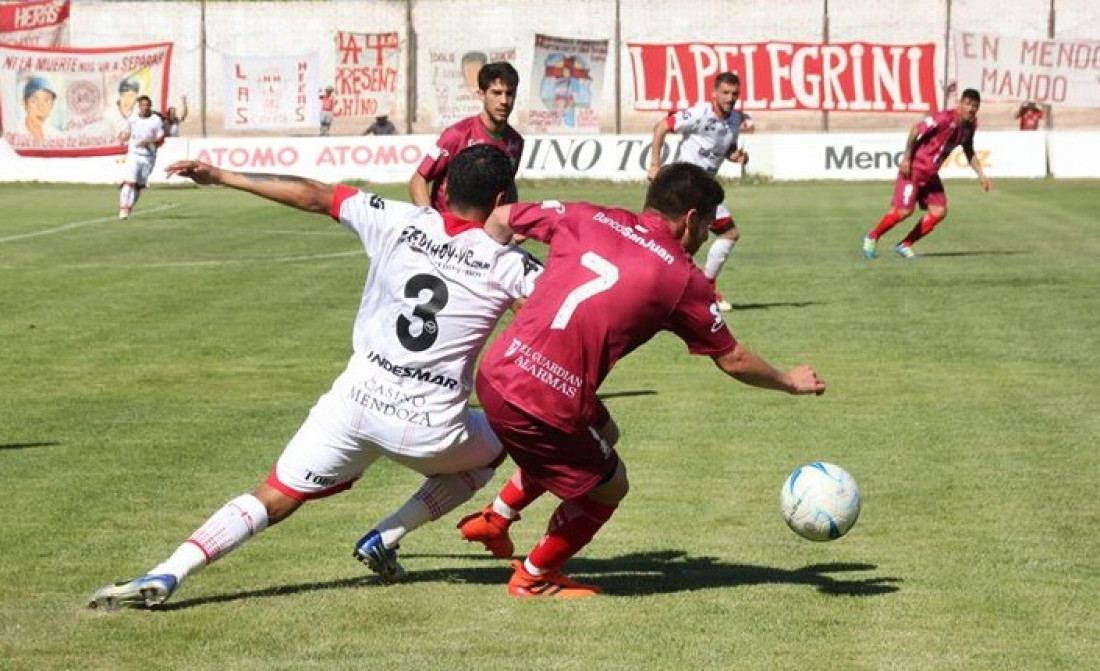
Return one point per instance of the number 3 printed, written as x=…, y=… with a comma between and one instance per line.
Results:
x=424, y=311
x=607, y=275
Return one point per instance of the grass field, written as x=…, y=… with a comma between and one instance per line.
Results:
x=152, y=369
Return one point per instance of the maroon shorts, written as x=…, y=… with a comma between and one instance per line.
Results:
x=568, y=464
x=919, y=189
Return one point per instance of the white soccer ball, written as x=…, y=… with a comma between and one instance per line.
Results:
x=820, y=501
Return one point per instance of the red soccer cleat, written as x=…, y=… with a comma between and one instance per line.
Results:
x=524, y=585
x=489, y=528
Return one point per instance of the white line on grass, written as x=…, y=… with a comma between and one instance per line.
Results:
x=78, y=224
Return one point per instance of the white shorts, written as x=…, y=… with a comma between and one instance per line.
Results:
x=138, y=169
x=329, y=452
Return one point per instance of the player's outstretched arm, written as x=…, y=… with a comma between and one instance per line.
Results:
x=300, y=192
x=747, y=367
x=660, y=131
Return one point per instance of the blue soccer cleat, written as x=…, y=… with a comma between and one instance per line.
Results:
x=869, y=247
x=144, y=592
x=378, y=558
x=905, y=251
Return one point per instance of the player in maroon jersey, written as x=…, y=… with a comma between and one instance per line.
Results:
x=497, y=83
x=1029, y=115
x=613, y=280
x=929, y=144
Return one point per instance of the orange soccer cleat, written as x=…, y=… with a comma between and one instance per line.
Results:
x=489, y=528
x=524, y=585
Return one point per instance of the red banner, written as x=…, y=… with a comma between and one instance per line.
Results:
x=36, y=23
x=842, y=77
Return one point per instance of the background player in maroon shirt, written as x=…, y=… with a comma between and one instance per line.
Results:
x=1029, y=115
x=929, y=144
x=613, y=280
x=497, y=83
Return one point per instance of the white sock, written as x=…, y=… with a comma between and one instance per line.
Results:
x=504, y=510
x=236, y=522
x=439, y=495
x=716, y=258
x=126, y=197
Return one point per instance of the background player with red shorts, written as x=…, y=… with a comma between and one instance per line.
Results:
x=929, y=144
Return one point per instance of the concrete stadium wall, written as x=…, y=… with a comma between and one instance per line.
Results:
x=268, y=28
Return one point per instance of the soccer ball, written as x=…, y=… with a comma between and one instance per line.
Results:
x=819, y=501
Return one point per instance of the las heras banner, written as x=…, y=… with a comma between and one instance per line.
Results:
x=848, y=76
x=75, y=102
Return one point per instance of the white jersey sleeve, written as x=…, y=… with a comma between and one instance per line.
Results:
x=431, y=300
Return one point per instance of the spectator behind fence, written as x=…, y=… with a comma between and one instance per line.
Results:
x=381, y=126
x=1029, y=115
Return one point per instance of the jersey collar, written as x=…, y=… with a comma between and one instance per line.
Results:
x=454, y=225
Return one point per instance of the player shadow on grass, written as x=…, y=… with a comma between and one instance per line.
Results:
x=24, y=446
x=976, y=252
x=638, y=574
x=737, y=307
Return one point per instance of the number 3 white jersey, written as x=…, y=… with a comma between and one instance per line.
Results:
x=707, y=137
x=436, y=288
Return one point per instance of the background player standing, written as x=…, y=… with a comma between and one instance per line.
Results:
x=710, y=131
x=929, y=144
x=497, y=83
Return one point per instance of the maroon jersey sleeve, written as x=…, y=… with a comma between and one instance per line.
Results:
x=698, y=321
x=434, y=165
x=536, y=220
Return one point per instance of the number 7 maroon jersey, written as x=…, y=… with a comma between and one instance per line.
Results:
x=613, y=279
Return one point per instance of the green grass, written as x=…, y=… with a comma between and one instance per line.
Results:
x=152, y=369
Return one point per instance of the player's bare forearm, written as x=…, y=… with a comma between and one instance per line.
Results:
x=300, y=192
x=749, y=368
x=660, y=131
x=418, y=191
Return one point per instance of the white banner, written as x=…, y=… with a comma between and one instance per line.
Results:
x=454, y=82
x=366, y=74
x=567, y=79
x=394, y=158
x=1050, y=71
x=864, y=156
x=75, y=102
x=271, y=92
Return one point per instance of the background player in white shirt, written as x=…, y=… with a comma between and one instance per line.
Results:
x=437, y=285
x=143, y=135
x=710, y=131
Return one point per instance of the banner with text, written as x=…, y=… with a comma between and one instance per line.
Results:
x=567, y=78
x=39, y=23
x=454, y=81
x=75, y=102
x=840, y=77
x=271, y=92
x=1049, y=71
x=366, y=74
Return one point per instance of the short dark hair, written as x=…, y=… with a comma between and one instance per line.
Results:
x=679, y=187
x=730, y=78
x=502, y=70
x=477, y=175
x=971, y=94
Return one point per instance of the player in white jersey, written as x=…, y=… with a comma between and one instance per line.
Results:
x=437, y=285
x=710, y=131
x=143, y=135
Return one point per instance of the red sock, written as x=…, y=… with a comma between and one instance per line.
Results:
x=889, y=221
x=520, y=491
x=571, y=527
x=923, y=228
